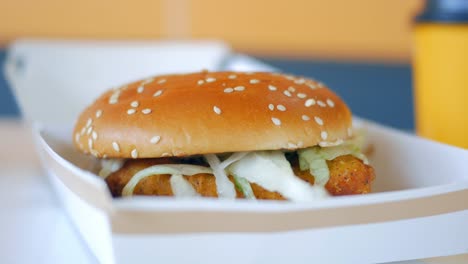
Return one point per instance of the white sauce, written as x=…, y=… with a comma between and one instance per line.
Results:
x=272, y=171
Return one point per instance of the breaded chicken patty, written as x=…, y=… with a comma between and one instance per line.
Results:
x=348, y=175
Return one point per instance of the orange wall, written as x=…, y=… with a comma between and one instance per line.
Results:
x=361, y=29
x=80, y=18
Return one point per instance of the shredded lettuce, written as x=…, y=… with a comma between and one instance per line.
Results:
x=314, y=158
x=109, y=166
x=182, y=169
x=233, y=158
x=272, y=171
x=320, y=171
x=181, y=187
x=244, y=186
x=224, y=186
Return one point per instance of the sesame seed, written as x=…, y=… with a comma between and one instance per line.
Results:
x=301, y=95
x=299, y=81
x=291, y=145
x=161, y=81
x=271, y=107
x=157, y=93
x=90, y=143
x=228, y=90
x=330, y=144
x=254, y=81
x=276, y=121
x=89, y=122
x=155, y=139
x=311, y=86
x=320, y=84
x=114, y=98
x=149, y=80
x=239, y=88
x=281, y=107
x=291, y=89
x=232, y=76
x=95, y=153
x=272, y=88
x=140, y=89
x=330, y=103
x=77, y=137
x=165, y=154
x=134, y=104
x=94, y=135
x=116, y=146
x=134, y=153
x=287, y=93
x=289, y=77
x=104, y=156
x=322, y=104
x=318, y=120
x=249, y=72
x=200, y=82
x=98, y=113
x=90, y=129
x=324, y=135
x=210, y=79
x=131, y=111
x=216, y=110
x=309, y=102
x=83, y=131
x=300, y=144
x=146, y=111
x=305, y=117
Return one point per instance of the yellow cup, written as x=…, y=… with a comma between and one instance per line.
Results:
x=440, y=66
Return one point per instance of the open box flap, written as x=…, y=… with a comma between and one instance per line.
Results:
x=54, y=80
x=74, y=169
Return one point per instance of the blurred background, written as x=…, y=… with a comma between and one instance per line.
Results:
x=360, y=48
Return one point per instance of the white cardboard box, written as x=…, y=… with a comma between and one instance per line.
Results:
x=419, y=208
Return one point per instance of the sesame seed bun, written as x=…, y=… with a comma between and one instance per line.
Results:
x=211, y=112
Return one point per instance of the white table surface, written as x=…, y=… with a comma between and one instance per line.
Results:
x=33, y=227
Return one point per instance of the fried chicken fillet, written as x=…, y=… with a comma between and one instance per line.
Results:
x=348, y=175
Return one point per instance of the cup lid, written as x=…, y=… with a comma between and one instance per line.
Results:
x=445, y=11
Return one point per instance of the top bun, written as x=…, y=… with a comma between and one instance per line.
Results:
x=212, y=112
